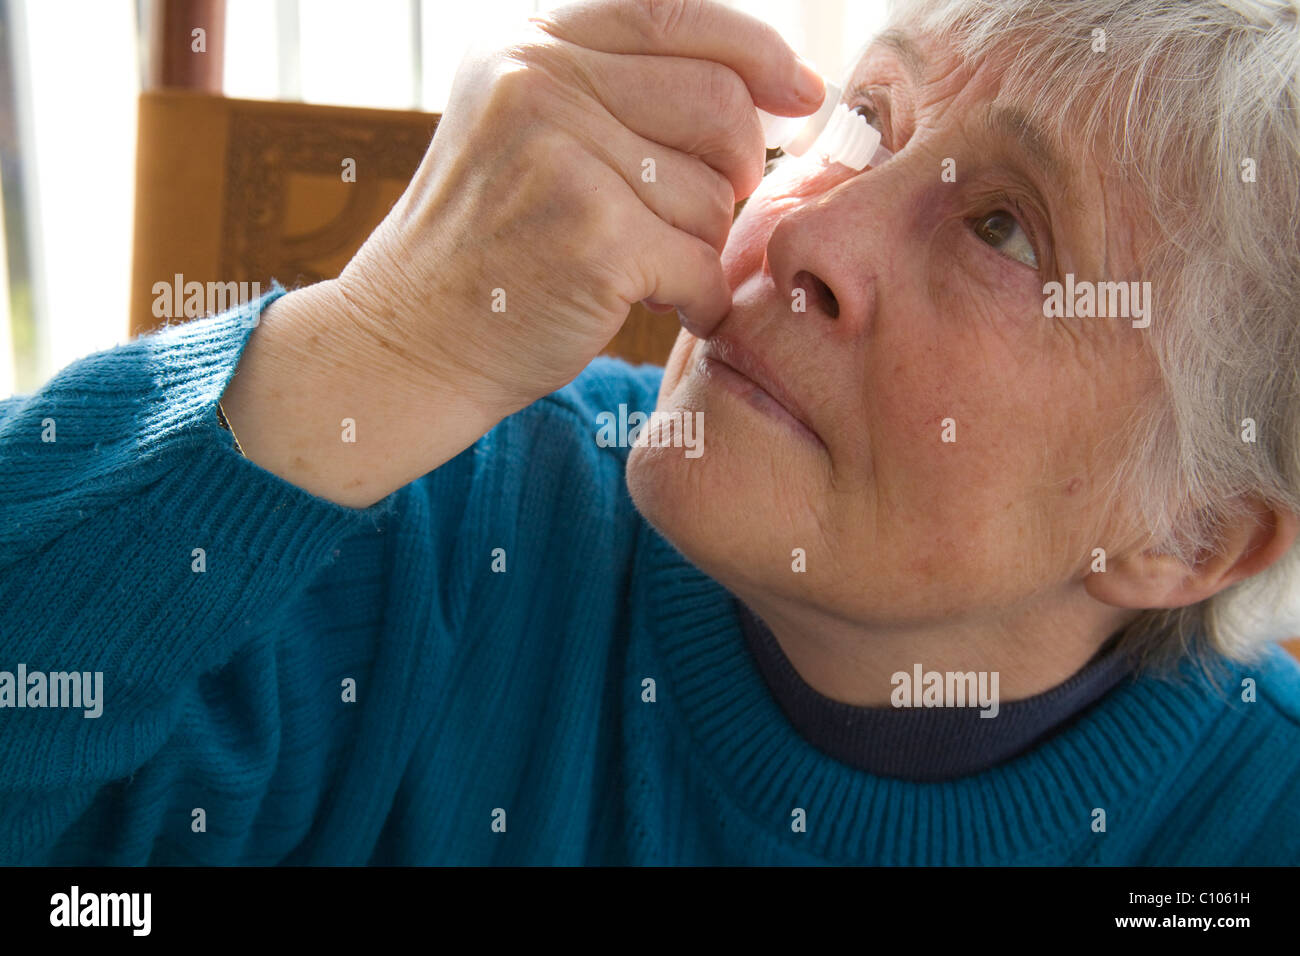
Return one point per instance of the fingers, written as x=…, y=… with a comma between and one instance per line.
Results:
x=679, y=189
x=679, y=269
x=694, y=106
x=778, y=81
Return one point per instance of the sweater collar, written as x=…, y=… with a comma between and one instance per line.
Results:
x=758, y=762
x=924, y=743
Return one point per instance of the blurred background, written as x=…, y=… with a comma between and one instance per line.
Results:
x=71, y=77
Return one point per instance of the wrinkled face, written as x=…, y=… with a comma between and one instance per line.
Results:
x=825, y=429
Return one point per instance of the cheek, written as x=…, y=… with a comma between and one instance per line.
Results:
x=1009, y=486
x=954, y=439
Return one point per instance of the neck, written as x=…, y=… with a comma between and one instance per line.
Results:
x=1032, y=648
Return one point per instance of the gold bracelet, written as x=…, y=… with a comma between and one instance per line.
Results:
x=225, y=423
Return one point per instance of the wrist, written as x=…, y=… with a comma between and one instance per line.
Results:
x=333, y=404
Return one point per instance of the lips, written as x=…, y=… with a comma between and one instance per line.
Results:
x=749, y=366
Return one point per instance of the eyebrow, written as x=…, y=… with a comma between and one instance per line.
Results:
x=1033, y=141
x=907, y=51
x=1001, y=119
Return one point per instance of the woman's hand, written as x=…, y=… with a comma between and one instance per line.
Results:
x=591, y=163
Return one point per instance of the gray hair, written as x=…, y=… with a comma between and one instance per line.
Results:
x=1187, y=90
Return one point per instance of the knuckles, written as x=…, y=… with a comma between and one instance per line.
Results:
x=526, y=77
x=534, y=189
x=725, y=96
x=663, y=20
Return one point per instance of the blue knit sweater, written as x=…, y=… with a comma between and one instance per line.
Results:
x=499, y=716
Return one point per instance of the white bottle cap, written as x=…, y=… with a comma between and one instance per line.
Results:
x=841, y=135
x=850, y=140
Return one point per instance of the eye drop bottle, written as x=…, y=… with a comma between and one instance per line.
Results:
x=834, y=131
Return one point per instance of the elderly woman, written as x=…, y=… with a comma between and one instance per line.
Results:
x=956, y=565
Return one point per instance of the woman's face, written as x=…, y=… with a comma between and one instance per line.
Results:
x=923, y=320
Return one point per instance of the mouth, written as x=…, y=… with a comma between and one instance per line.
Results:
x=745, y=375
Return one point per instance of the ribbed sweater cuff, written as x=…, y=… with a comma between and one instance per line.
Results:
x=252, y=511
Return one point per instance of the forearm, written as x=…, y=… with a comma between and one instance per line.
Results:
x=325, y=400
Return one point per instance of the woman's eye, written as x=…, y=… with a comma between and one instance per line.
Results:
x=864, y=109
x=872, y=104
x=1004, y=233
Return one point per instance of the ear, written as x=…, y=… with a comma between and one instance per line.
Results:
x=1146, y=579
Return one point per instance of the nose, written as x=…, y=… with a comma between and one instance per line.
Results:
x=824, y=255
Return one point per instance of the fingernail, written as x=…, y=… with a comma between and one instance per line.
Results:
x=808, y=83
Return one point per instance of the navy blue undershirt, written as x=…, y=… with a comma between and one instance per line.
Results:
x=927, y=744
